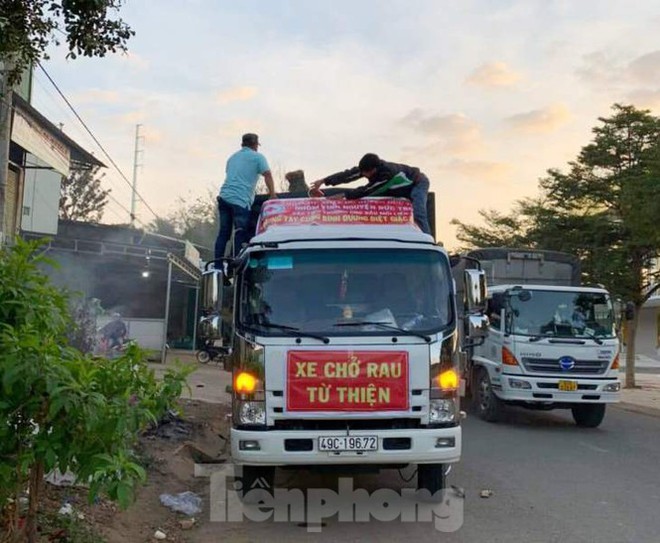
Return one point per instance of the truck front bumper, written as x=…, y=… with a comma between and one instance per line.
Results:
x=546, y=389
x=273, y=447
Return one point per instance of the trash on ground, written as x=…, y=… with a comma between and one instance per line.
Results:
x=460, y=492
x=160, y=535
x=187, y=503
x=486, y=493
x=187, y=524
x=172, y=427
x=57, y=478
x=66, y=510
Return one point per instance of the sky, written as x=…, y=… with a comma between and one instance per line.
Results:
x=483, y=95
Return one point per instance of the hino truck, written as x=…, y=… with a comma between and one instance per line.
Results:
x=551, y=342
x=345, y=350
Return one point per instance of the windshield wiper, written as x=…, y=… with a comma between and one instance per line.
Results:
x=294, y=331
x=594, y=337
x=533, y=339
x=387, y=327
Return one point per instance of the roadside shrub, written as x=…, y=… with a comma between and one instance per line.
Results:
x=61, y=409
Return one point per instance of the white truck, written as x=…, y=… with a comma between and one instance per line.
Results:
x=345, y=346
x=551, y=343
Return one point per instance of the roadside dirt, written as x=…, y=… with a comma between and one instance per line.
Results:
x=169, y=456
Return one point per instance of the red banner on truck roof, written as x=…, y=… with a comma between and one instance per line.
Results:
x=347, y=381
x=301, y=211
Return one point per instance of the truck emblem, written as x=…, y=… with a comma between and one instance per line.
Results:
x=567, y=363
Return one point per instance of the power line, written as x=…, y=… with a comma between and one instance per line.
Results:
x=96, y=140
x=110, y=180
x=110, y=196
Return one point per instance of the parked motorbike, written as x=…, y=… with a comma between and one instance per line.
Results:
x=211, y=353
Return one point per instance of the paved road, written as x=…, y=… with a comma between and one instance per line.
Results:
x=551, y=482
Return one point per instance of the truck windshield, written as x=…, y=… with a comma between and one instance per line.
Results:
x=315, y=290
x=562, y=314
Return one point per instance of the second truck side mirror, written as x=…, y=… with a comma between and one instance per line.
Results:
x=475, y=291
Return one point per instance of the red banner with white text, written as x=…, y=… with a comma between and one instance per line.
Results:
x=347, y=381
x=299, y=211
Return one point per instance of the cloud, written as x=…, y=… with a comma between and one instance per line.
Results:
x=135, y=61
x=493, y=74
x=151, y=135
x=542, y=120
x=457, y=133
x=236, y=94
x=478, y=170
x=645, y=98
x=600, y=69
x=132, y=117
x=96, y=96
x=646, y=68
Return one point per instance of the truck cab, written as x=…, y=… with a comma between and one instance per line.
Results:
x=551, y=344
x=345, y=347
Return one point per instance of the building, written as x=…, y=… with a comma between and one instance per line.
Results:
x=40, y=155
x=148, y=280
x=648, y=329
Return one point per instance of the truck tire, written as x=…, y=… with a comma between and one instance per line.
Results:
x=432, y=478
x=254, y=482
x=588, y=415
x=486, y=404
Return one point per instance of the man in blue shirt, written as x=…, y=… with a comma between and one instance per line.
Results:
x=237, y=193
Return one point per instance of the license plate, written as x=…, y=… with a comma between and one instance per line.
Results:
x=348, y=443
x=568, y=386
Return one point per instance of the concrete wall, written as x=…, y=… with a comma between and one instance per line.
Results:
x=648, y=331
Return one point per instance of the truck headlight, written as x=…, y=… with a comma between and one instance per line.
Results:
x=612, y=387
x=519, y=383
x=442, y=411
x=250, y=412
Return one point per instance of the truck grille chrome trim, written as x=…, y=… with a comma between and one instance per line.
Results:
x=551, y=365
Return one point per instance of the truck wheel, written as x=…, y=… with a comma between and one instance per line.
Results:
x=433, y=478
x=487, y=405
x=255, y=481
x=588, y=415
x=203, y=357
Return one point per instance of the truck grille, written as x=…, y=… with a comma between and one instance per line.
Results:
x=551, y=365
x=350, y=424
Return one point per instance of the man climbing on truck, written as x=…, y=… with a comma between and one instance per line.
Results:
x=386, y=178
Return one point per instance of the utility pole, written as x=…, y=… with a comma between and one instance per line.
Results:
x=135, y=169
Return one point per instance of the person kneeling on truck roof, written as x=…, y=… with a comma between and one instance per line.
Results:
x=386, y=178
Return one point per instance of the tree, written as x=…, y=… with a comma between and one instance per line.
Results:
x=28, y=27
x=61, y=409
x=604, y=209
x=499, y=230
x=196, y=221
x=81, y=196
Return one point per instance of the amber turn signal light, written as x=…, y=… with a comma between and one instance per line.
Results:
x=245, y=383
x=448, y=380
x=507, y=357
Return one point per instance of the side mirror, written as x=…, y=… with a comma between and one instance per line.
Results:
x=478, y=330
x=475, y=291
x=478, y=326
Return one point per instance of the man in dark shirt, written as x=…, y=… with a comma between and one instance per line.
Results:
x=386, y=178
